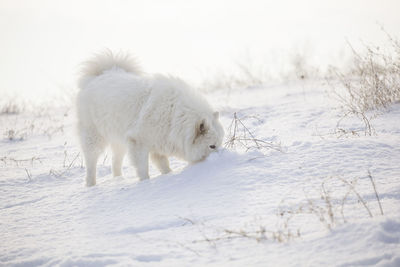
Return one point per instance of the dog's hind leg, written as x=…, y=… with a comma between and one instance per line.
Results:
x=161, y=162
x=92, y=146
x=118, y=156
x=139, y=156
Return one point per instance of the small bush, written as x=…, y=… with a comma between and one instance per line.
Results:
x=245, y=75
x=329, y=206
x=239, y=136
x=11, y=107
x=377, y=77
x=372, y=85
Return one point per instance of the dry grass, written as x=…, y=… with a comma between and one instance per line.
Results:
x=377, y=83
x=11, y=107
x=257, y=232
x=239, y=136
x=328, y=208
x=251, y=72
x=20, y=162
x=372, y=85
x=68, y=164
x=41, y=121
x=245, y=76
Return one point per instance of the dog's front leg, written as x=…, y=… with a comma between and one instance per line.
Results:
x=139, y=156
x=161, y=162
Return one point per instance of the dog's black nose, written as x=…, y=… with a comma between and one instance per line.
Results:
x=212, y=147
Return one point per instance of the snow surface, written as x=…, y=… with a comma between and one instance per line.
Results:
x=237, y=208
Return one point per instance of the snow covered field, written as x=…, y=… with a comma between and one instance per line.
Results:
x=308, y=201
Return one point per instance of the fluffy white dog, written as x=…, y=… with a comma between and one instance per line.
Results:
x=145, y=115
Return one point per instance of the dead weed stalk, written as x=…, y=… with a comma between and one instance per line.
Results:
x=327, y=209
x=240, y=136
x=372, y=85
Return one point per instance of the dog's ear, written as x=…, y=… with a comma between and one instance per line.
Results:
x=201, y=129
x=216, y=115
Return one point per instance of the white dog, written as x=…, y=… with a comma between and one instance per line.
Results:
x=157, y=115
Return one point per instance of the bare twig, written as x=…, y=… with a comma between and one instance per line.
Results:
x=28, y=174
x=239, y=134
x=372, y=85
x=66, y=167
x=376, y=193
x=18, y=162
x=357, y=194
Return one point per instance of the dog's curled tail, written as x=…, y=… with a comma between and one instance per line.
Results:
x=107, y=60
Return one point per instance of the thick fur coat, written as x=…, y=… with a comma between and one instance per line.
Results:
x=143, y=115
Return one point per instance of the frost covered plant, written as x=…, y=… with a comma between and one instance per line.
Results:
x=6, y=160
x=300, y=66
x=19, y=134
x=256, y=231
x=11, y=107
x=372, y=85
x=239, y=136
x=245, y=74
x=39, y=122
x=377, y=83
x=68, y=164
x=329, y=207
x=333, y=194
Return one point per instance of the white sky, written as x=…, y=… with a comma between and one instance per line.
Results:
x=43, y=41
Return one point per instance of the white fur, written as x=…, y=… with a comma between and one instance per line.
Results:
x=143, y=115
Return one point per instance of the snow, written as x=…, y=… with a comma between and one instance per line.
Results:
x=234, y=209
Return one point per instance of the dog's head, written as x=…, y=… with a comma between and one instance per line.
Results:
x=206, y=137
